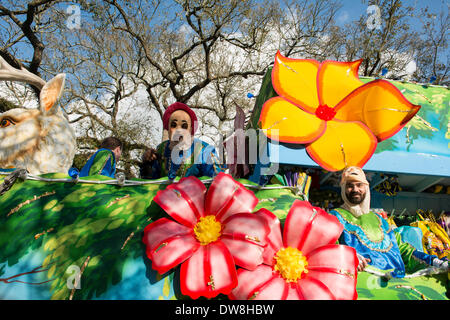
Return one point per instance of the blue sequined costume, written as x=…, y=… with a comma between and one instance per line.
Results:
x=103, y=162
x=373, y=238
x=199, y=160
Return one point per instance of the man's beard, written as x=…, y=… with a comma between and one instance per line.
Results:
x=355, y=197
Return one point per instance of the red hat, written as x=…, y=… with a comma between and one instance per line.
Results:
x=180, y=106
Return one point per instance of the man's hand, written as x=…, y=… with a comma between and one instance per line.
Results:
x=150, y=155
x=363, y=263
x=441, y=264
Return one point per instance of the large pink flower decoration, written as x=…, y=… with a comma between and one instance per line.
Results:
x=305, y=264
x=211, y=233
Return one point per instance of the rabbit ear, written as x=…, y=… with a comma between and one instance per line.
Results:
x=51, y=92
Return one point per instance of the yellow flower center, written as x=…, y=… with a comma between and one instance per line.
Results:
x=290, y=263
x=207, y=230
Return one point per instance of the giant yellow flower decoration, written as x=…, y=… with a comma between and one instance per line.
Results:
x=326, y=107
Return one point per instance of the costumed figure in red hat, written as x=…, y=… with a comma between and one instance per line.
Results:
x=182, y=155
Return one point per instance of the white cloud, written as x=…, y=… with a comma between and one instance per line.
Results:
x=411, y=67
x=343, y=17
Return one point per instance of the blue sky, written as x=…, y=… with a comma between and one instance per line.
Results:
x=353, y=9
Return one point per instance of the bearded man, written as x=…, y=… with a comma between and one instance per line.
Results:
x=375, y=241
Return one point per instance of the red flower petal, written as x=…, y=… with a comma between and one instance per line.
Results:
x=249, y=225
x=307, y=227
x=260, y=284
x=274, y=240
x=168, y=251
x=333, y=256
x=183, y=201
x=245, y=235
x=245, y=254
x=209, y=272
x=274, y=289
x=293, y=293
x=226, y=197
x=249, y=281
x=312, y=289
x=195, y=190
x=159, y=231
x=335, y=266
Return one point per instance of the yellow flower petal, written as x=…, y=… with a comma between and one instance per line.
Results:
x=285, y=122
x=343, y=144
x=296, y=80
x=336, y=80
x=380, y=106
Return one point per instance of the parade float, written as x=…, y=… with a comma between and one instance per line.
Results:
x=66, y=237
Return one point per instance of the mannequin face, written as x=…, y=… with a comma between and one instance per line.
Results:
x=355, y=192
x=180, y=129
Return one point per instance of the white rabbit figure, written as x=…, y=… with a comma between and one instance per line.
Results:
x=39, y=140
